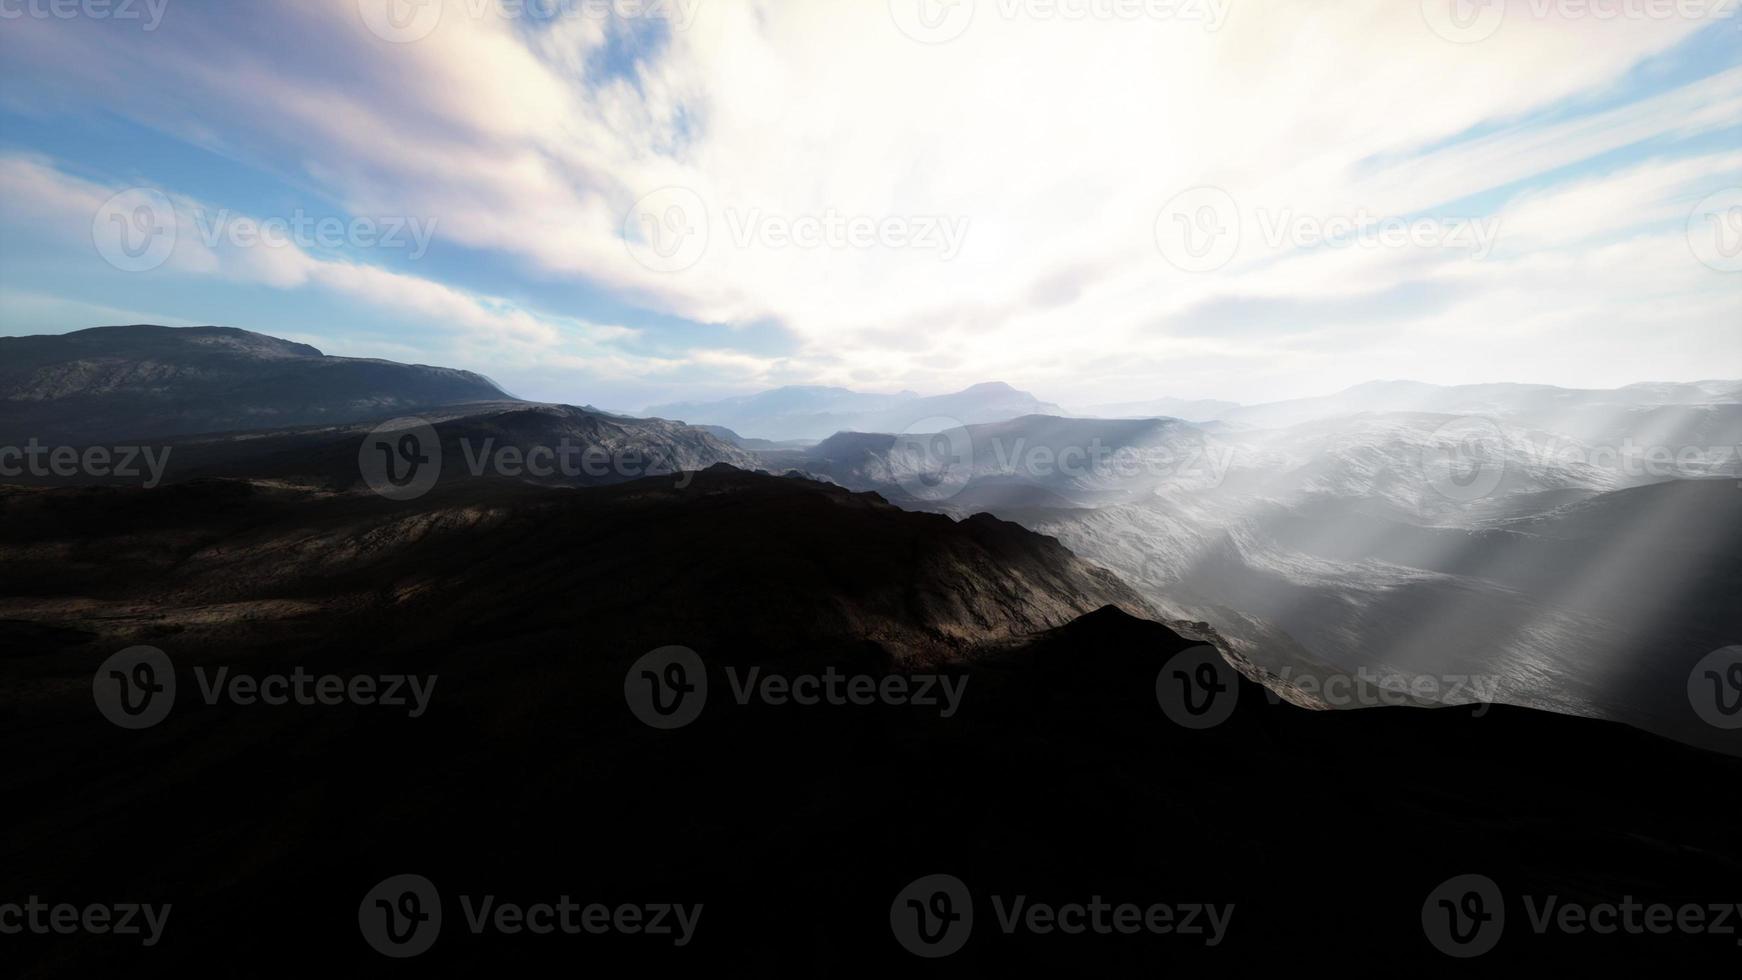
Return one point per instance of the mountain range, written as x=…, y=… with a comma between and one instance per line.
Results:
x=1404, y=544
x=216, y=401
x=1336, y=544
x=1133, y=567
x=813, y=413
x=144, y=382
x=1706, y=413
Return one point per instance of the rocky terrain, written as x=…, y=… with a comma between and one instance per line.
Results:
x=218, y=565
x=1057, y=775
x=1460, y=550
x=1127, y=710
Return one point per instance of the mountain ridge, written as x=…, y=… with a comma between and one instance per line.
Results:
x=268, y=824
x=815, y=412
x=148, y=381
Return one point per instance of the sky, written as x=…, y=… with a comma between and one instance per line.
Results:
x=628, y=202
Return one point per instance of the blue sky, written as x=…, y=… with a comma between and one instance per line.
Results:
x=707, y=199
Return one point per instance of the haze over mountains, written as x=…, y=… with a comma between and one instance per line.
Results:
x=1577, y=568
x=1369, y=548
x=809, y=412
x=1395, y=536
x=1651, y=411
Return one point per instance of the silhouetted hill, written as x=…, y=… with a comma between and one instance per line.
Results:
x=139, y=382
x=734, y=555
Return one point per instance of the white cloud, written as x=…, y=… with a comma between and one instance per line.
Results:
x=1056, y=141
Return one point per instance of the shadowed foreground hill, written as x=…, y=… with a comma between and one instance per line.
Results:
x=1056, y=776
x=730, y=557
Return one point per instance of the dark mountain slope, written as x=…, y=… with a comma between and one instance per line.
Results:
x=727, y=557
x=140, y=382
x=556, y=445
x=1059, y=779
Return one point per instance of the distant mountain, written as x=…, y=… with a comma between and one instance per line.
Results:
x=138, y=382
x=530, y=442
x=1401, y=465
x=729, y=437
x=1191, y=410
x=1375, y=541
x=797, y=400
x=1033, y=459
x=1540, y=406
x=1577, y=411
x=218, y=401
x=816, y=413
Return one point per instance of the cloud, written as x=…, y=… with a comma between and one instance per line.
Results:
x=1054, y=142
